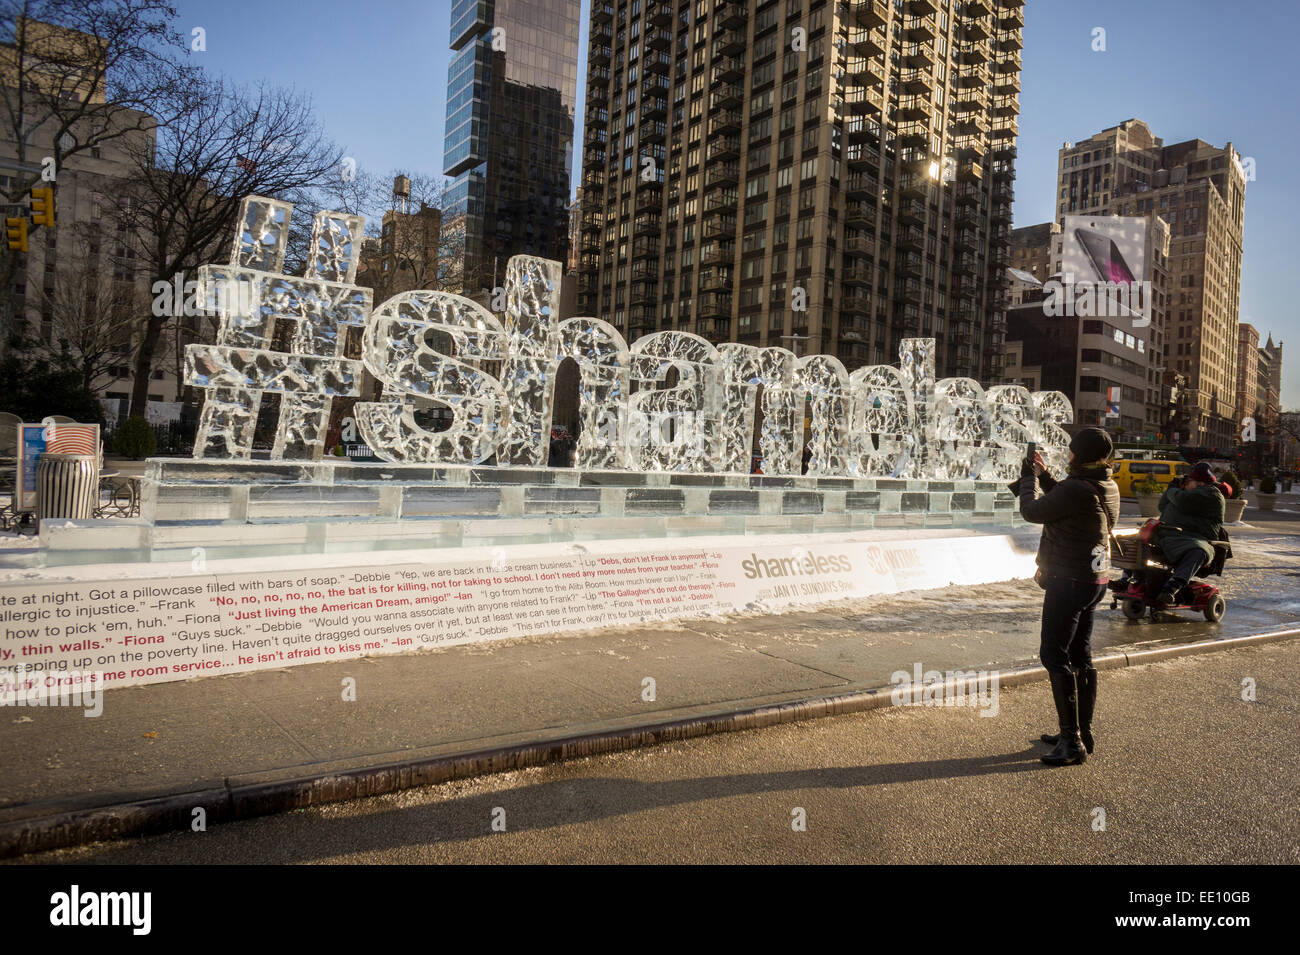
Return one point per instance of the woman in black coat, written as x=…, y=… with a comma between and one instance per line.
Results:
x=1077, y=514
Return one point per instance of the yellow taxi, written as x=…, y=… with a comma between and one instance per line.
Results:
x=1129, y=472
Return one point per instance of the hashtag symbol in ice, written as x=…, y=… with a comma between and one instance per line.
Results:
x=250, y=295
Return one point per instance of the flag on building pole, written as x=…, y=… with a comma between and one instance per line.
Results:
x=1112, y=402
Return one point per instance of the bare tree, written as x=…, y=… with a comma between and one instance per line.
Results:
x=1289, y=422
x=451, y=258
x=421, y=251
x=182, y=203
x=94, y=315
x=76, y=75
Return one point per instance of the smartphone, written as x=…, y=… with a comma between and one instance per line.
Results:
x=1029, y=454
x=1105, y=256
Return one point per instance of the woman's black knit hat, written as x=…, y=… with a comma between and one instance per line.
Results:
x=1091, y=444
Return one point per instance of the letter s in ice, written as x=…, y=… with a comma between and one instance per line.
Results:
x=397, y=351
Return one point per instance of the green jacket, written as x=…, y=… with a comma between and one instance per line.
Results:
x=1198, y=514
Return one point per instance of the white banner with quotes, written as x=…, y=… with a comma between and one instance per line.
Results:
x=138, y=630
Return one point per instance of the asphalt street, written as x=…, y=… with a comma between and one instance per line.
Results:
x=1186, y=771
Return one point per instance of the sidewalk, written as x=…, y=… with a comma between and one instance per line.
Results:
x=231, y=743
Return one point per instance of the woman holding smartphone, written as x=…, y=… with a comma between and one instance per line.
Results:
x=1077, y=514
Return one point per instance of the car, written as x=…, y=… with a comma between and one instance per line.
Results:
x=1128, y=473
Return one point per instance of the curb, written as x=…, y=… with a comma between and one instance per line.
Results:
x=174, y=812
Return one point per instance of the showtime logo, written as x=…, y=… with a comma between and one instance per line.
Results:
x=886, y=561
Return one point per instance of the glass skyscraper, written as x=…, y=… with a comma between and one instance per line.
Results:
x=511, y=89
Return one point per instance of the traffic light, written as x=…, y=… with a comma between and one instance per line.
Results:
x=16, y=233
x=43, y=206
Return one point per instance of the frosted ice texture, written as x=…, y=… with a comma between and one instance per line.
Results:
x=916, y=356
x=743, y=370
x=825, y=383
x=1013, y=427
x=673, y=425
x=250, y=296
x=532, y=320
x=1054, y=444
x=406, y=345
x=604, y=379
x=882, y=442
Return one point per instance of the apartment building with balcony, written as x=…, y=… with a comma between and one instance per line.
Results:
x=826, y=176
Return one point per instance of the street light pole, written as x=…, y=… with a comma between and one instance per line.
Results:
x=794, y=341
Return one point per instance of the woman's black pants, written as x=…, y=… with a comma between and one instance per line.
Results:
x=1068, y=607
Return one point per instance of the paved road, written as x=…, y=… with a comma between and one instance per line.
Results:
x=1186, y=772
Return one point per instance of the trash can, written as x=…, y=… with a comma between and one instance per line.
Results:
x=67, y=485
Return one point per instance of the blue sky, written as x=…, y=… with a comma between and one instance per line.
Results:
x=377, y=72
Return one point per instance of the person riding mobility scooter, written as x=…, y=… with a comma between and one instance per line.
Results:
x=1161, y=559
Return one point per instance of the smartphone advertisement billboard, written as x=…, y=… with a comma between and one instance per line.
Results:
x=1104, y=268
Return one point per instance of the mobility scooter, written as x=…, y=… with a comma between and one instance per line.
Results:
x=1137, y=553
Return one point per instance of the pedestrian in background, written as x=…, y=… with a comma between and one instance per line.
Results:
x=1077, y=514
x=1191, y=516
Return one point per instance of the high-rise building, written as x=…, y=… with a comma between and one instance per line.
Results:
x=1199, y=190
x=829, y=177
x=1270, y=374
x=1269, y=396
x=1247, y=371
x=511, y=90
x=1090, y=173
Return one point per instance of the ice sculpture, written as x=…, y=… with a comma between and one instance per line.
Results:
x=250, y=296
x=881, y=438
x=671, y=401
x=1052, y=409
x=396, y=350
x=1013, y=427
x=825, y=383
x=962, y=430
x=916, y=356
x=532, y=321
x=674, y=428
x=743, y=369
x=604, y=374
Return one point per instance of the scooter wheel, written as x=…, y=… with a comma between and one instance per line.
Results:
x=1134, y=609
x=1214, y=609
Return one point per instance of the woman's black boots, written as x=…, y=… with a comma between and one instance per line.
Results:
x=1069, y=746
x=1086, y=682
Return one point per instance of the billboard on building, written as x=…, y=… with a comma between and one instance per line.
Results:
x=1104, y=258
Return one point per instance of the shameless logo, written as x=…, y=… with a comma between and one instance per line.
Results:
x=756, y=568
